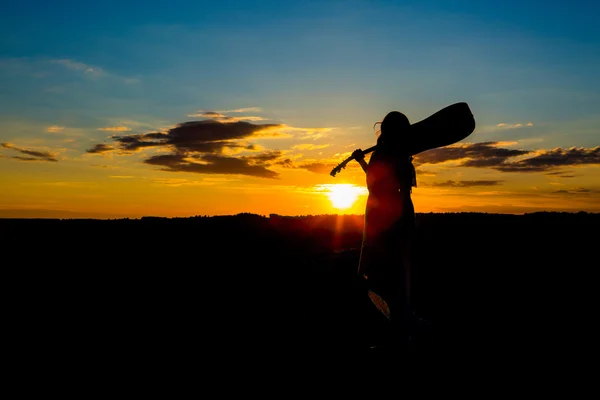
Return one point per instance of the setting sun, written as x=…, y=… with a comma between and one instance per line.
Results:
x=343, y=196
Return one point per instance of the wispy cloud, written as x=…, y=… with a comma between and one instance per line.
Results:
x=576, y=191
x=115, y=129
x=309, y=146
x=281, y=130
x=312, y=133
x=217, y=116
x=503, y=125
x=317, y=167
x=33, y=155
x=88, y=70
x=178, y=182
x=561, y=174
x=55, y=129
x=93, y=72
x=462, y=184
x=101, y=148
x=243, y=110
x=222, y=115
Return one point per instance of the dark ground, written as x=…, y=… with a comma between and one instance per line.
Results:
x=493, y=285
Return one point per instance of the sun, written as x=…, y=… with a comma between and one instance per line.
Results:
x=343, y=195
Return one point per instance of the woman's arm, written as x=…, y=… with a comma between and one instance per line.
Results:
x=359, y=156
x=363, y=164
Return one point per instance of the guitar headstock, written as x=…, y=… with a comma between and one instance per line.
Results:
x=339, y=167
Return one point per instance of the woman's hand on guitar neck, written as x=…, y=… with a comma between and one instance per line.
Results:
x=358, y=155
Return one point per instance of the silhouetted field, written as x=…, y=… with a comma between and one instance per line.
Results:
x=492, y=284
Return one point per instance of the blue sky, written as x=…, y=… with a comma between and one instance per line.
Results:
x=528, y=69
x=312, y=60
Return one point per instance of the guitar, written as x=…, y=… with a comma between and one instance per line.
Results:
x=342, y=165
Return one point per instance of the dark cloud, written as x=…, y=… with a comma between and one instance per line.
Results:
x=555, y=158
x=266, y=157
x=574, y=191
x=198, y=146
x=196, y=136
x=100, y=148
x=465, y=183
x=561, y=174
x=286, y=163
x=33, y=155
x=487, y=151
x=318, y=168
x=490, y=155
x=212, y=164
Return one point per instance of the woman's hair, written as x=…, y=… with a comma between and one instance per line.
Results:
x=394, y=121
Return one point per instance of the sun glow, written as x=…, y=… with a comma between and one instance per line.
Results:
x=343, y=196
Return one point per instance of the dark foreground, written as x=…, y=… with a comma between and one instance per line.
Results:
x=493, y=285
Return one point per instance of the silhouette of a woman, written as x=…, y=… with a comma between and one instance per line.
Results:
x=385, y=258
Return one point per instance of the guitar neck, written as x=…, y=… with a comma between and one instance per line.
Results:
x=370, y=149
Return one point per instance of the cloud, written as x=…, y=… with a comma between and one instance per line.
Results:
x=462, y=184
x=213, y=164
x=101, y=148
x=208, y=114
x=309, y=146
x=484, y=152
x=222, y=116
x=55, y=129
x=513, y=126
x=575, y=191
x=281, y=129
x=207, y=136
x=242, y=110
x=33, y=155
x=561, y=174
x=201, y=147
x=550, y=159
x=115, y=129
x=313, y=133
x=88, y=70
x=91, y=71
x=489, y=155
x=318, y=167
x=503, y=126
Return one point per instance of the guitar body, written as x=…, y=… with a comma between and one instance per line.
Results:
x=447, y=126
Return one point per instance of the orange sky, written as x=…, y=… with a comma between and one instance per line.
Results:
x=281, y=169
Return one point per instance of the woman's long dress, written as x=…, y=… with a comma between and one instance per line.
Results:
x=389, y=227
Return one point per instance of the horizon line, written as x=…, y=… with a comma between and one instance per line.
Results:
x=275, y=215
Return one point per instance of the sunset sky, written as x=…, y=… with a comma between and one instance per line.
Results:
x=113, y=109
